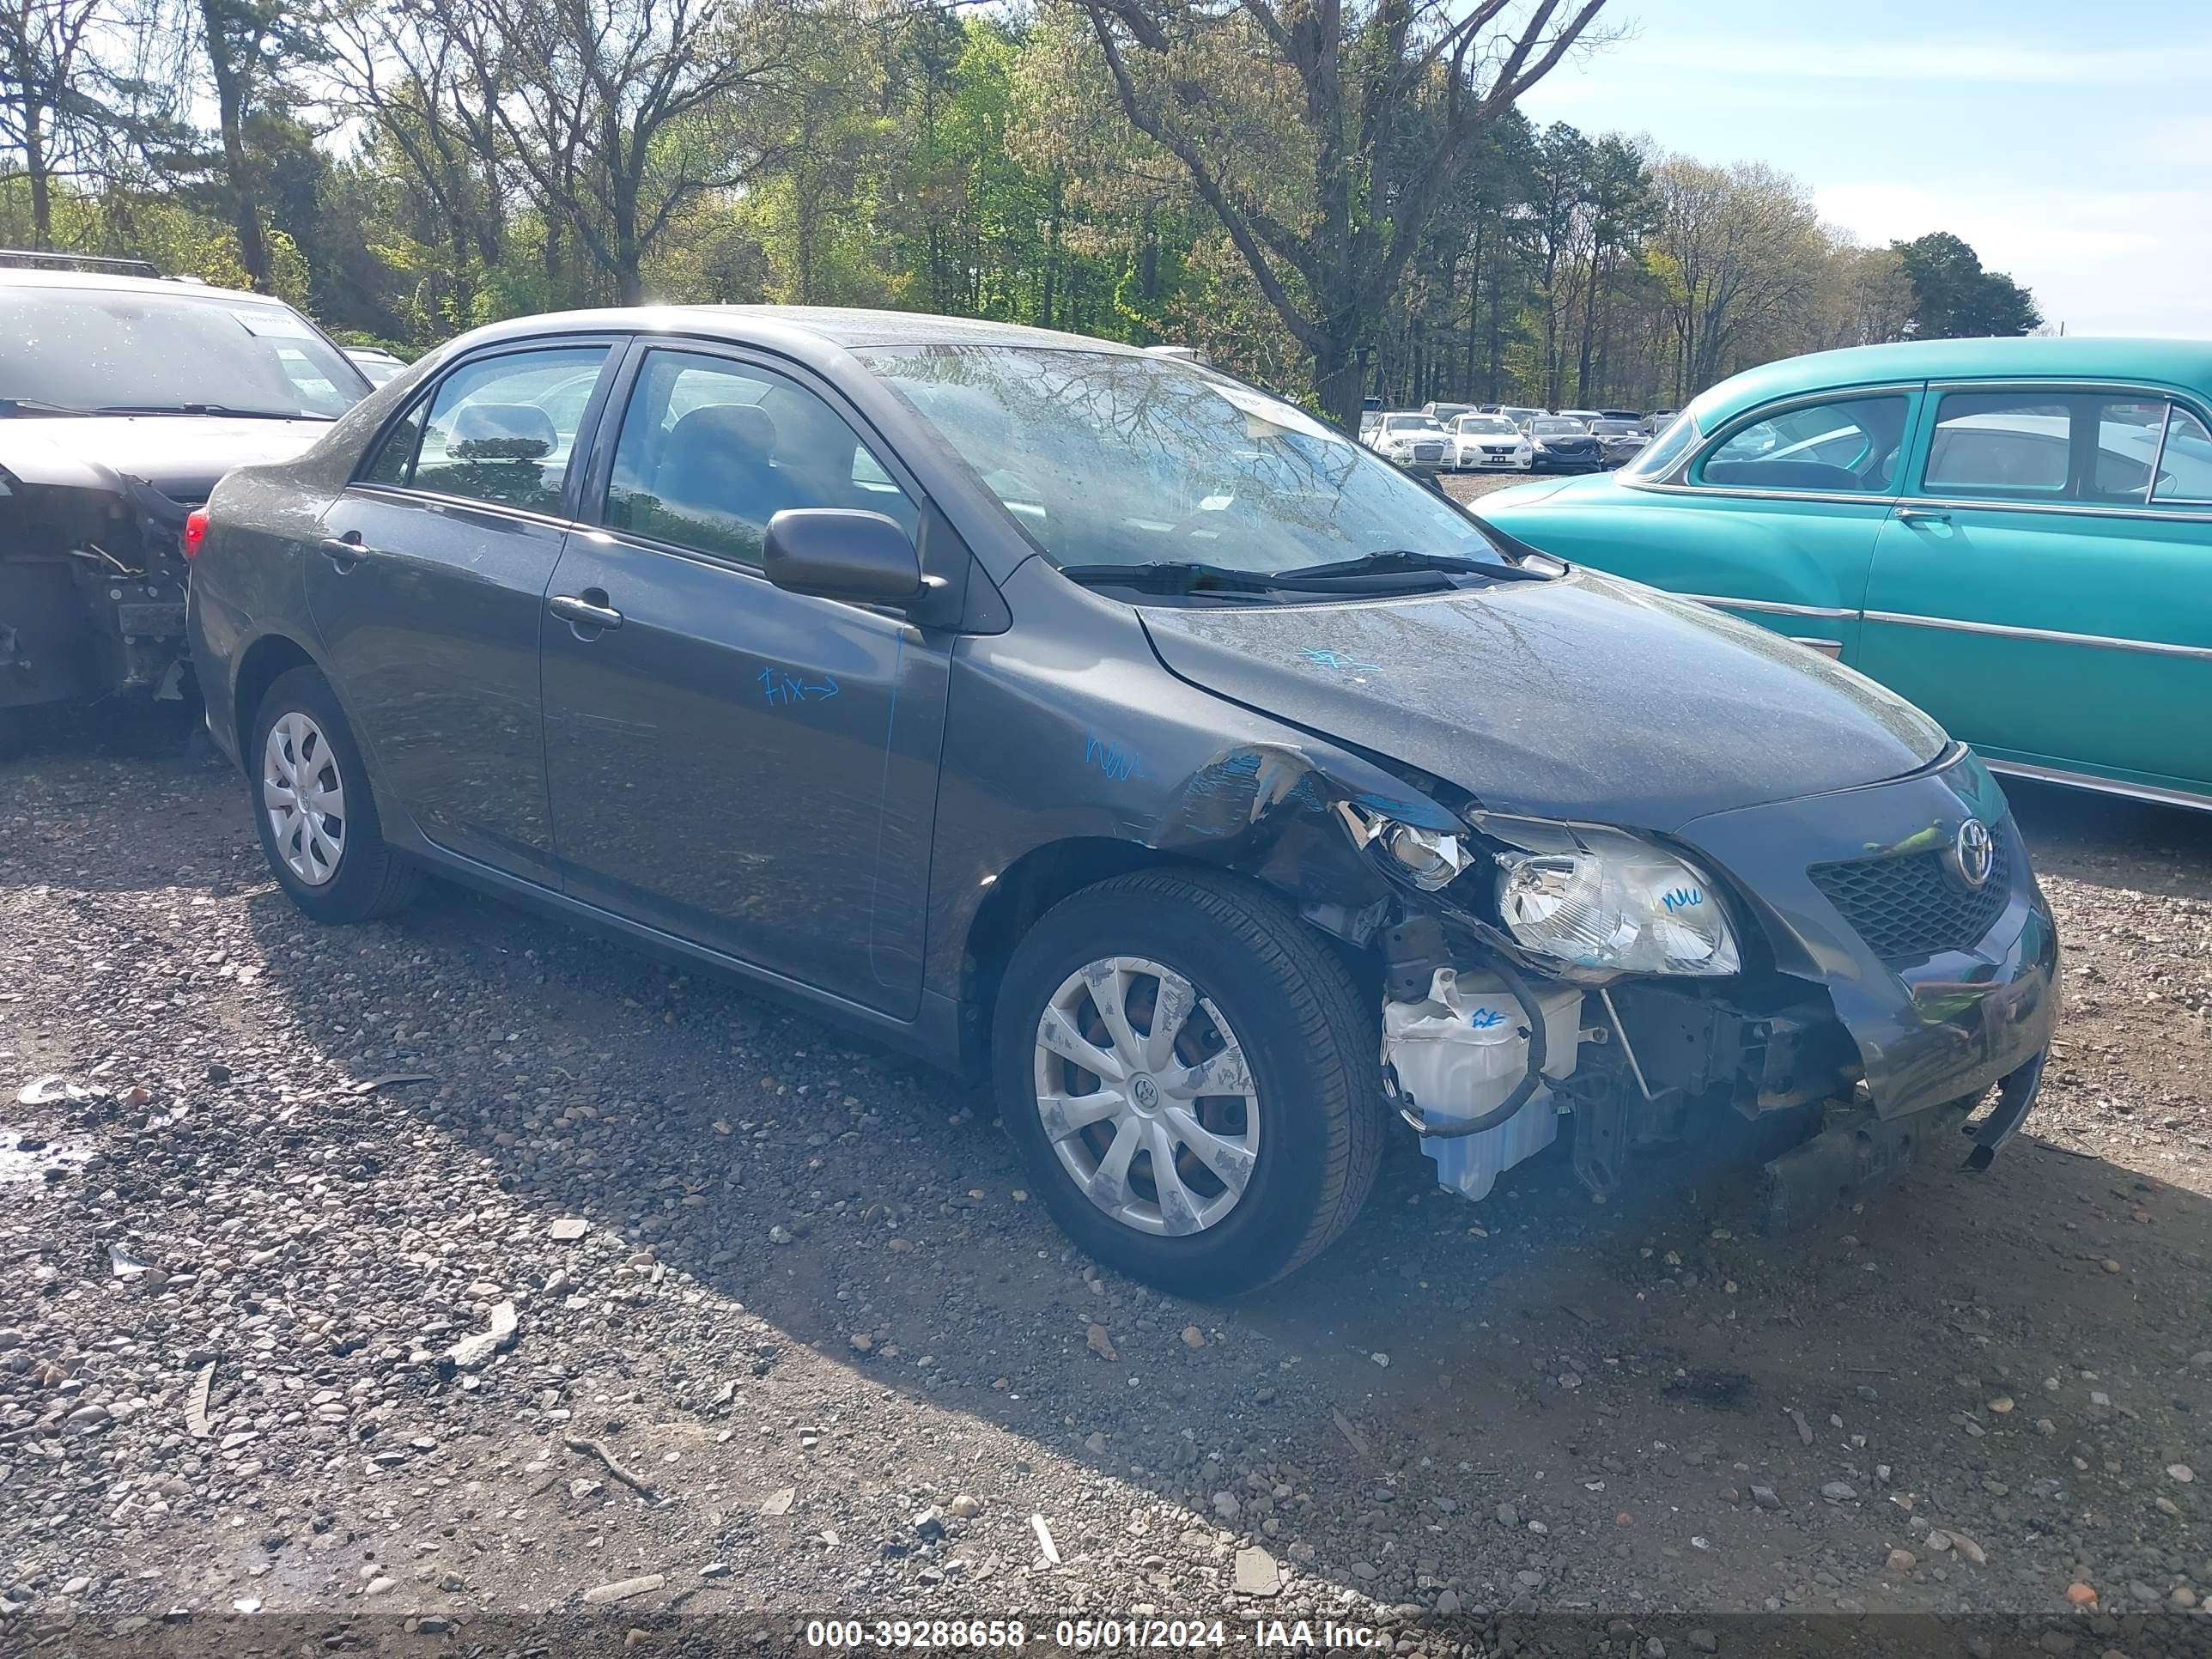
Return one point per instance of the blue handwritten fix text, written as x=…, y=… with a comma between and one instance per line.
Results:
x=781, y=686
x=1341, y=663
x=1485, y=1019
x=1681, y=898
x=1116, y=763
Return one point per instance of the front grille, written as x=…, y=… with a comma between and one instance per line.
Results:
x=1912, y=905
x=1428, y=451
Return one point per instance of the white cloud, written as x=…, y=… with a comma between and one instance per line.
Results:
x=2103, y=262
x=1951, y=61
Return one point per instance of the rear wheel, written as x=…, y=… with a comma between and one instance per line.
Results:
x=1191, y=1077
x=313, y=808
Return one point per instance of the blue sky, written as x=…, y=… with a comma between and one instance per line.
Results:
x=2070, y=145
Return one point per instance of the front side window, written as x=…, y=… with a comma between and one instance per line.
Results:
x=1846, y=446
x=711, y=450
x=502, y=429
x=1108, y=458
x=2184, y=466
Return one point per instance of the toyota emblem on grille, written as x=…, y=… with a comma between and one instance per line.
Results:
x=1974, y=855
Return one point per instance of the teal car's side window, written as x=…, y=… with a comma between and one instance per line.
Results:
x=2185, y=464
x=2062, y=447
x=1848, y=446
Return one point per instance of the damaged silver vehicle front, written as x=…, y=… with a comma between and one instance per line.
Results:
x=124, y=397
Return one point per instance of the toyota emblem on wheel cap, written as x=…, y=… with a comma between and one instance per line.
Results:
x=1974, y=855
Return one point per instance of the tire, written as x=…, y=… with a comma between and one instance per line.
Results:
x=1306, y=1132
x=355, y=876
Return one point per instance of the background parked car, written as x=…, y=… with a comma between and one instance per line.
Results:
x=1520, y=416
x=1410, y=438
x=1563, y=445
x=2015, y=534
x=378, y=364
x=124, y=396
x=1619, y=441
x=1489, y=443
x=1445, y=413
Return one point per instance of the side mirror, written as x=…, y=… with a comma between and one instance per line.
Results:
x=842, y=553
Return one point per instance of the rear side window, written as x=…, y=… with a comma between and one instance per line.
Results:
x=2052, y=446
x=502, y=429
x=1844, y=446
x=395, y=456
x=2184, y=465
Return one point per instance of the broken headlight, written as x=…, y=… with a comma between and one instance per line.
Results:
x=1426, y=857
x=1603, y=899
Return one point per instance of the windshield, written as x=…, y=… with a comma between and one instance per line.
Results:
x=95, y=350
x=1557, y=426
x=1111, y=457
x=1616, y=429
x=1487, y=425
x=1412, y=423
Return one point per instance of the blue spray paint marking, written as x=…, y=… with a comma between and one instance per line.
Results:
x=1116, y=763
x=779, y=686
x=1682, y=898
x=1485, y=1019
x=1339, y=661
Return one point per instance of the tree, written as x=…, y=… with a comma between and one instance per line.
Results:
x=1953, y=297
x=620, y=112
x=1329, y=226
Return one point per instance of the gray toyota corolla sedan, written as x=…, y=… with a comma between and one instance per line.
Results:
x=1091, y=718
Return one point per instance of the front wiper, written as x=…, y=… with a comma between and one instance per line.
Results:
x=209, y=408
x=37, y=406
x=1171, y=576
x=1402, y=562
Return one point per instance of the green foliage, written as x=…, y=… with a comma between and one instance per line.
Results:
x=1953, y=297
x=980, y=163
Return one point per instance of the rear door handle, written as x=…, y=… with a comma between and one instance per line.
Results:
x=347, y=550
x=1921, y=515
x=588, y=610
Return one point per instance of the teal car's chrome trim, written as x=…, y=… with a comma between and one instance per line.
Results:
x=2159, y=513
x=1774, y=607
x=2113, y=643
x=1738, y=492
x=2143, y=792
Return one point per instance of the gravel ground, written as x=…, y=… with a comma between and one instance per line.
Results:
x=464, y=1266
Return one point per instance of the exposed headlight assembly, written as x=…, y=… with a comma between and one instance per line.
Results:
x=1427, y=858
x=1602, y=899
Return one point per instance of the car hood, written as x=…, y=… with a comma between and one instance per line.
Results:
x=180, y=455
x=1583, y=696
x=1528, y=494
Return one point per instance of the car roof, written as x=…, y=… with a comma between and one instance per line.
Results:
x=2181, y=363
x=839, y=325
x=168, y=287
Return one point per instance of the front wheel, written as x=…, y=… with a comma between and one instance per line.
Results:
x=316, y=818
x=1192, y=1077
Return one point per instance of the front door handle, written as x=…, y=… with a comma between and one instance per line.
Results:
x=347, y=550
x=587, y=610
x=1921, y=515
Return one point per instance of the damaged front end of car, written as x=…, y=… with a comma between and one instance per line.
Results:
x=92, y=582
x=1854, y=971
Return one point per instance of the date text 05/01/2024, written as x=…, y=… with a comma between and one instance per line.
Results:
x=1089, y=1635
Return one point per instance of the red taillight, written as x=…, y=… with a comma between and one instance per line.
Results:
x=195, y=532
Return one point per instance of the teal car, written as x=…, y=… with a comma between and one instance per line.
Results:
x=2015, y=534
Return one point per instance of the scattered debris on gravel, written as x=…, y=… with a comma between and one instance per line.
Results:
x=468, y=1267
